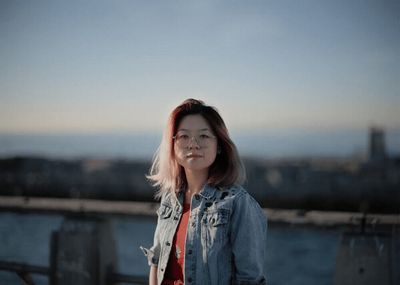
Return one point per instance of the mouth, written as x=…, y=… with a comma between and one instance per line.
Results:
x=193, y=155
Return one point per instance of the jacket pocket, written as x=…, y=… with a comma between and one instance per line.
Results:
x=215, y=226
x=164, y=212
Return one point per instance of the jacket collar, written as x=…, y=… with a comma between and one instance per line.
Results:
x=208, y=192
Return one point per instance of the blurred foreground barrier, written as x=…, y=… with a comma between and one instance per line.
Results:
x=82, y=252
x=368, y=259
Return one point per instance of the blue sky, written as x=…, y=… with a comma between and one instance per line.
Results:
x=99, y=66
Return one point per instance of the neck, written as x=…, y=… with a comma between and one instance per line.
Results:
x=196, y=180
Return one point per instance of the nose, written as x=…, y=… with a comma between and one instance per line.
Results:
x=193, y=143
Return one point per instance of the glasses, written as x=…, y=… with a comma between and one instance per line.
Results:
x=183, y=140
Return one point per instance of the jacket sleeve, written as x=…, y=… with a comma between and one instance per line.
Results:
x=153, y=253
x=248, y=239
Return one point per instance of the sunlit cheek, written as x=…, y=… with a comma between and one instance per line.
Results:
x=181, y=157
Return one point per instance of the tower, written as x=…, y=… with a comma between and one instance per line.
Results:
x=377, y=149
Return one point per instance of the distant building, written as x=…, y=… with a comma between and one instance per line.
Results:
x=377, y=148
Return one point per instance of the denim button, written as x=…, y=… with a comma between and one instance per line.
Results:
x=190, y=251
x=167, y=243
x=197, y=197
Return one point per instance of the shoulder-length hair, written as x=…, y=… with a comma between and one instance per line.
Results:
x=169, y=176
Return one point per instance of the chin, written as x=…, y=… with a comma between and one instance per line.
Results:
x=194, y=165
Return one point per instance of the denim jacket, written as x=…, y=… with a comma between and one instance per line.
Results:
x=225, y=239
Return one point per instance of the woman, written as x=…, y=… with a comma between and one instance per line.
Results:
x=209, y=229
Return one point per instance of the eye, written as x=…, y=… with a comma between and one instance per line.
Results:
x=204, y=136
x=182, y=136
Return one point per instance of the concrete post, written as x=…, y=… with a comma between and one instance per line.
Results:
x=364, y=259
x=82, y=252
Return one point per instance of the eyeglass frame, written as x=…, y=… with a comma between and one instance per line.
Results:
x=191, y=137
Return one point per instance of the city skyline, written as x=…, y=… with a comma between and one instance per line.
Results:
x=105, y=66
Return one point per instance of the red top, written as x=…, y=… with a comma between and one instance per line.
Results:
x=176, y=261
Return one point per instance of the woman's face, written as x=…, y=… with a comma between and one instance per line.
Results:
x=195, y=145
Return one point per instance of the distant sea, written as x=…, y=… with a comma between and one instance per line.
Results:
x=260, y=144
